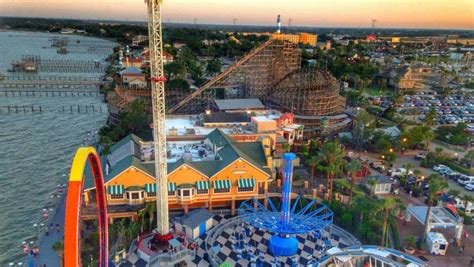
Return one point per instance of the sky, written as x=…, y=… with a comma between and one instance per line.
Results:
x=454, y=14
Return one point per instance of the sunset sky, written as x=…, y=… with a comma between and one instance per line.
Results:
x=341, y=13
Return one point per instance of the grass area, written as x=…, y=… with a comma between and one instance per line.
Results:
x=370, y=91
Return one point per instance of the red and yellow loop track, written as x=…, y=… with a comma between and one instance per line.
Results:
x=72, y=238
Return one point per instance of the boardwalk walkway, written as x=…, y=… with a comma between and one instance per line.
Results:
x=47, y=255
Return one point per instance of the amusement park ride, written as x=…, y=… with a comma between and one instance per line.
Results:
x=72, y=255
x=303, y=216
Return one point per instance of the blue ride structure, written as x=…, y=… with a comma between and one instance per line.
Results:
x=288, y=219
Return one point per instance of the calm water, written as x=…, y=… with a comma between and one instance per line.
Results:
x=36, y=149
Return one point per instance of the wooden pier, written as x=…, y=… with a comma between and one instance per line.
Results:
x=49, y=93
x=32, y=109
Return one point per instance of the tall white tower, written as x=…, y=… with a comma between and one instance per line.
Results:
x=158, y=101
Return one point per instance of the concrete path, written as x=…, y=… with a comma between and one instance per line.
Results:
x=47, y=255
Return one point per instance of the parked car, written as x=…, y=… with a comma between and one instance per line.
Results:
x=466, y=180
x=439, y=167
x=469, y=186
x=420, y=156
x=399, y=172
x=454, y=176
x=377, y=165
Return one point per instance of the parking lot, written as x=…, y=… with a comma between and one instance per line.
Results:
x=450, y=109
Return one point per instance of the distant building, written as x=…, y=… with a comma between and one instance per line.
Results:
x=304, y=38
x=132, y=62
x=67, y=31
x=309, y=39
x=131, y=73
x=406, y=78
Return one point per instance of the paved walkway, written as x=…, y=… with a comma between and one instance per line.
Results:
x=47, y=255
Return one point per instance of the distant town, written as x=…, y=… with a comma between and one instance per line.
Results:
x=380, y=121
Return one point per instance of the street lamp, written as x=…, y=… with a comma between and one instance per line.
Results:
x=391, y=150
x=405, y=139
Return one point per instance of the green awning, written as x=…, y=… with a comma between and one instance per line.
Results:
x=221, y=184
x=150, y=188
x=246, y=182
x=202, y=185
x=115, y=189
x=171, y=187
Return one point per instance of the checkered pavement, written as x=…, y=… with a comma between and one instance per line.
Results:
x=309, y=248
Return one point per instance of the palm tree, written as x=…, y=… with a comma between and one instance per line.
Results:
x=386, y=205
x=286, y=147
x=454, y=192
x=324, y=127
x=121, y=230
x=58, y=247
x=353, y=167
x=428, y=136
x=372, y=182
x=397, y=99
x=331, y=153
x=151, y=209
x=141, y=216
x=312, y=163
x=430, y=118
x=436, y=186
x=466, y=199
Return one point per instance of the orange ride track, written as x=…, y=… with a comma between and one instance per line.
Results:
x=72, y=238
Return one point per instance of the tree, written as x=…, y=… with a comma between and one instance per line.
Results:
x=286, y=147
x=213, y=66
x=175, y=69
x=387, y=205
x=436, y=186
x=141, y=216
x=430, y=118
x=466, y=199
x=120, y=229
x=325, y=127
x=58, y=247
x=136, y=120
x=352, y=168
x=372, y=182
x=332, y=154
x=178, y=84
x=454, y=193
x=312, y=163
x=428, y=137
x=150, y=209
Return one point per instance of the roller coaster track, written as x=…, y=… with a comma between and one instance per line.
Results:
x=219, y=77
x=72, y=239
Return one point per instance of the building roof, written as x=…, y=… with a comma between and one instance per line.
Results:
x=195, y=218
x=393, y=131
x=131, y=71
x=239, y=104
x=381, y=179
x=224, y=117
x=124, y=155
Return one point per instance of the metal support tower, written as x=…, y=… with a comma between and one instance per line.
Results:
x=158, y=103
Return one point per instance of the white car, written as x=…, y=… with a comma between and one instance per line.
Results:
x=464, y=180
x=469, y=186
x=400, y=172
x=439, y=167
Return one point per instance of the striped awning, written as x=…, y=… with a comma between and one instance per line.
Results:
x=115, y=189
x=246, y=182
x=150, y=188
x=171, y=187
x=221, y=184
x=202, y=185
